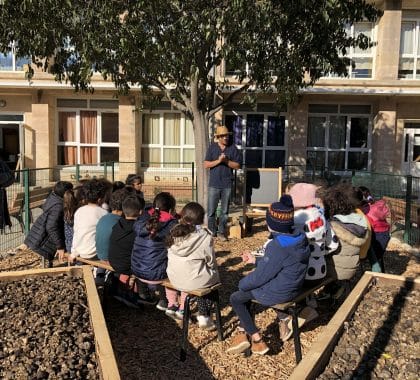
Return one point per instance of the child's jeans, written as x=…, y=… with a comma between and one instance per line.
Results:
x=379, y=243
x=240, y=302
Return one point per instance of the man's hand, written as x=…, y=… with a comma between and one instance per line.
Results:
x=223, y=158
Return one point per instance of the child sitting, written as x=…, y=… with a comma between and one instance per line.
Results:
x=46, y=236
x=351, y=229
x=85, y=220
x=149, y=259
x=309, y=220
x=109, y=220
x=278, y=277
x=121, y=245
x=377, y=212
x=191, y=263
x=136, y=182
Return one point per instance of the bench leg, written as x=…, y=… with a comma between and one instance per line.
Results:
x=296, y=334
x=214, y=296
x=185, y=325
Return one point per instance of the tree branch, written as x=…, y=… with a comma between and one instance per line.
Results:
x=227, y=100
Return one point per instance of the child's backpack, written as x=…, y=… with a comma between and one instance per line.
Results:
x=6, y=176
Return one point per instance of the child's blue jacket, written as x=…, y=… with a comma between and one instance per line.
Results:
x=149, y=258
x=280, y=273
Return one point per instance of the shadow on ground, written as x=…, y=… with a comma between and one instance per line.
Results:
x=155, y=337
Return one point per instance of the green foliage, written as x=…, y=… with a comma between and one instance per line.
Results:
x=175, y=46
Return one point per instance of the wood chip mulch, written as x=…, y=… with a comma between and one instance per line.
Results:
x=146, y=341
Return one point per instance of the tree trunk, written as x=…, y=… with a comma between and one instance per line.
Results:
x=201, y=139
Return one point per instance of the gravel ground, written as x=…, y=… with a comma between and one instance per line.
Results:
x=146, y=341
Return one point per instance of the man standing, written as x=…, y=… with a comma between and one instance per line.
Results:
x=221, y=158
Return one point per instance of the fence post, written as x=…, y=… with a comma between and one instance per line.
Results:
x=408, y=200
x=193, y=194
x=106, y=170
x=26, y=215
x=113, y=171
x=77, y=172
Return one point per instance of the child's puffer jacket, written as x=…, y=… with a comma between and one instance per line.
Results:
x=149, y=259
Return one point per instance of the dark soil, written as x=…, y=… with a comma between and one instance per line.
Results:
x=382, y=339
x=45, y=329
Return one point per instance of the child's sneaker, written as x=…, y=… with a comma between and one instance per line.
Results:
x=240, y=343
x=171, y=310
x=284, y=331
x=205, y=322
x=259, y=347
x=162, y=305
x=179, y=314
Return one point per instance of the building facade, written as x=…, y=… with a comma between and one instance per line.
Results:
x=367, y=121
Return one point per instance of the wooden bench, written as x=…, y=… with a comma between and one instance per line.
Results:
x=212, y=293
x=398, y=208
x=293, y=308
x=37, y=198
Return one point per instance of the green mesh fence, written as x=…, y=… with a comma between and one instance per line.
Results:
x=402, y=194
x=25, y=196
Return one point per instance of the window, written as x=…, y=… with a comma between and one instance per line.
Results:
x=260, y=137
x=168, y=139
x=409, y=66
x=10, y=62
x=361, y=59
x=338, y=140
x=87, y=136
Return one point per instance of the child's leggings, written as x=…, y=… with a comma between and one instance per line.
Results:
x=204, y=304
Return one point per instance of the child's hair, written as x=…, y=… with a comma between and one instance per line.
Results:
x=107, y=190
x=117, y=198
x=61, y=187
x=70, y=205
x=163, y=202
x=79, y=194
x=191, y=215
x=339, y=199
x=118, y=185
x=95, y=190
x=132, y=205
x=131, y=178
x=367, y=196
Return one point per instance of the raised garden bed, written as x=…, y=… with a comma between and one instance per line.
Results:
x=53, y=327
x=375, y=334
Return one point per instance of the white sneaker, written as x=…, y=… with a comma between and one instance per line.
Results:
x=206, y=323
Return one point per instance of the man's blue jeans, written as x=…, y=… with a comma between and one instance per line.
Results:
x=213, y=200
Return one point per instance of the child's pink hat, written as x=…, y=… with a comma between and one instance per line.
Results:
x=303, y=194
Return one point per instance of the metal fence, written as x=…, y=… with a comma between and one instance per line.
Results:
x=401, y=192
x=31, y=186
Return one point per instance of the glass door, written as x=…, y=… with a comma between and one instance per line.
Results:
x=411, y=150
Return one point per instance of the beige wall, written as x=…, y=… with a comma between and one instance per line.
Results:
x=384, y=136
x=388, y=37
